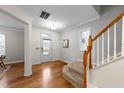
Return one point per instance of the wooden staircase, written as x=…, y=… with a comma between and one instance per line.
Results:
x=76, y=73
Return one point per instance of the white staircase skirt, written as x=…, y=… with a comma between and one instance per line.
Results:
x=109, y=76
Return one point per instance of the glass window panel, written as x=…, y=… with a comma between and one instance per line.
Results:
x=45, y=53
x=84, y=39
x=46, y=47
x=2, y=44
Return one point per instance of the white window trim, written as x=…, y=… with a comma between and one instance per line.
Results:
x=80, y=35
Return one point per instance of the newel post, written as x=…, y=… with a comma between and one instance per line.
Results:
x=85, y=69
x=90, y=52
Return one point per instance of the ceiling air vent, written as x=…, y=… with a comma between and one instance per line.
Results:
x=44, y=15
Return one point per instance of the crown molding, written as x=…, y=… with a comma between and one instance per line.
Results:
x=80, y=24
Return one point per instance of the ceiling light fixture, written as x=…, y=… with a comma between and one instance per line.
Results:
x=53, y=27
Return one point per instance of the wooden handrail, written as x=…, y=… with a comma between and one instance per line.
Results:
x=108, y=26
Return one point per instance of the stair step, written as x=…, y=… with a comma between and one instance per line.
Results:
x=73, y=77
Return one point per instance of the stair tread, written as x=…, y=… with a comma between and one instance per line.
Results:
x=77, y=67
x=74, y=76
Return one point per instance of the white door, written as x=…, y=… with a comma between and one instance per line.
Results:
x=46, y=48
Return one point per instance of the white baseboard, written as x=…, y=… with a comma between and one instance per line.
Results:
x=80, y=60
x=55, y=59
x=40, y=62
x=64, y=60
x=27, y=74
x=12, y=62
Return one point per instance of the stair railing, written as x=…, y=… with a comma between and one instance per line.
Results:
x=87, y=56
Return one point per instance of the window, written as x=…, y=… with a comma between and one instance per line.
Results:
x=46, y=44
x=46, y=47
x=84, y=35
x=2, y=44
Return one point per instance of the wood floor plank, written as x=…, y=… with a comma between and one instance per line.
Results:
x=46, y=75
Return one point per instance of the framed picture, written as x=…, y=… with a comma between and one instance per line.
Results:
x=66, y=43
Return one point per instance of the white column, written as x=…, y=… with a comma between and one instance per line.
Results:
x=28, y=54
x=103, y=48
x=97, y=51
x=115, y=41
x=122, y=48
x=108, y=46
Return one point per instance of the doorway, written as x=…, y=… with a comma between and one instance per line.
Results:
x=11, y=43
x=14, y=12
x=46, y=47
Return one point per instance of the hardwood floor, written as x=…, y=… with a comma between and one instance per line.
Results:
x=46, y=75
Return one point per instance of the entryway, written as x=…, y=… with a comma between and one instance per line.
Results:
x=46, y=47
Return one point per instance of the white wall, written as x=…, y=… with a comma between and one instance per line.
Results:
x=14, y=44
x=109, y=76
x=72, y=53
x=36, y=44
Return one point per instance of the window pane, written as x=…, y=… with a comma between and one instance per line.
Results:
x=84, y=39
x=2, y=44
x=45, y=53
x=46, y=47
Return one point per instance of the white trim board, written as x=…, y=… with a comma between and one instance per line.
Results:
x=35, y=63
x=64, y=60
x=12, y=62
x=80, y=60
x=79, y=26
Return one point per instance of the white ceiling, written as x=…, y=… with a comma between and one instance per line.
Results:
x=62, y=16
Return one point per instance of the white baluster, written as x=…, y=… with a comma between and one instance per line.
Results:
x=122, y=47
x=97, y=51
x=103, y=48
x=115, y=40
x=108, y=46
x=93, y=55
